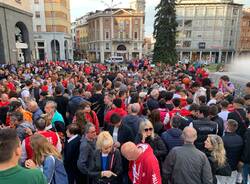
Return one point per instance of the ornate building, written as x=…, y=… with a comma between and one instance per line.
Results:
x=244, y=43
x=208, y=29
x=116, y=32
x=52, y=28
x=16, y=39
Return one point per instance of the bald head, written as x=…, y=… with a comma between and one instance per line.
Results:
x=190, y=135
x=4, y=97
x=130, y=151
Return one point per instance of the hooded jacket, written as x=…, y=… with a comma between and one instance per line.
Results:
x=145, y=170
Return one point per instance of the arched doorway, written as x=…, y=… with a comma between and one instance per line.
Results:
x=66, y=50
x=22, y=42
x=122, y=51
x=55, y=48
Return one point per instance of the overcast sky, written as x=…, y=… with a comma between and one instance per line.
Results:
x=81, y=7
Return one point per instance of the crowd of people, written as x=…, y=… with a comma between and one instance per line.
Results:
x=66, y=123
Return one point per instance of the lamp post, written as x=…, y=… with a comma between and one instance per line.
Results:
x=111, y=6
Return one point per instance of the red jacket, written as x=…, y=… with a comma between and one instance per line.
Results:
x=145, y=170
x=182, y=112
x=92, y=118
x=50, y=136
x=119, y=111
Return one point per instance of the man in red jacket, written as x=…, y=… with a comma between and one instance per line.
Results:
x=143, y=167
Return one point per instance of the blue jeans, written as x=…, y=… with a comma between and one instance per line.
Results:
x=245, y=173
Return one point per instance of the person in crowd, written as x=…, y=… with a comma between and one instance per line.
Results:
x=86, y=152
x=16, y=105
x=61, y=101
x=186, y=163
x=224, y=111
x=4, y=107
x=216, y=154
x=247, y=88
x=225, y=86
x=88, y=115
x=22, y=127
x=168, y=97
x=245, y=157
x=173, y=136
x=233, y=144
x=51, y=136
x=155, y=119
x=213, y=115
x=97, y=101
x=71, y=154
x=25, y=92
x=204, y=127
x=213, y=100
x=132, y=120
x=10, y=153
x=35, y=110
x=73, y=104
x=143, y=167
x=42, y=100
x=116, y=108
x=147, y=135
x=108, y=101
x=56, y=120
x=152, y=101
x=239, y=114
x=46, y=156
x=107, y=163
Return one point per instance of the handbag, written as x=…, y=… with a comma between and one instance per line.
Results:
x=224, y=170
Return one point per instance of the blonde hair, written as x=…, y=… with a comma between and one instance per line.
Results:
x=218, y=151
x=143, y=124
x=103, y=139
x=41, y=148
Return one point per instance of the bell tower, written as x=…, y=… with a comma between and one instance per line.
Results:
x=138, y=5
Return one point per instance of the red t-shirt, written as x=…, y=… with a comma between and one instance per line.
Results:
x=119, y=111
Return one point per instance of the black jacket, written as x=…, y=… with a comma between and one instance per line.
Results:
x=98, y=106
x=124, y=133
x=133, y=122
x=158, y=128
x=62, y=103
x=115, y=166
x=204, y=127
x=71, y=153
x=172, y=138
x=220, y=123
x=239, y=115
x=246, y=151
x=233, y=144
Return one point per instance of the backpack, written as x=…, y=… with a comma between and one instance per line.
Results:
x=59, y=173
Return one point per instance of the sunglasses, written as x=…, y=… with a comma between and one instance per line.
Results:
x=148, y=129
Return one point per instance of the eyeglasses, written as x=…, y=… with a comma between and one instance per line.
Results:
x=148, y=129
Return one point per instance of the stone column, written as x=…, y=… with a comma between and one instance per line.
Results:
x=220, y=55
x=210, y=57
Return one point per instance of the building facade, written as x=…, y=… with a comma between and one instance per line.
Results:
x=73, y=35
x=16, y=38
x=116, y=32
x=244, y=43
x=208, y=30
x=82, y=37
x=52, y=29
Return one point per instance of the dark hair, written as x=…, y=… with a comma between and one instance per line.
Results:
x=58, y=90
x=240, y=101
x=155, y=116
x=117, y=102
x=74, y=129
x=97, y=87
x=204, y=109
x=162, y=103
x=134, y=97
x=224, y=103
x=162, y=94
x=195, y=85
x=194, y=107
x=176, y=121
x=247, y=97
x=8, y=143
x=213, y=92
x=232, y=125
x=115, y=118
x=248, y=85
x=40, y=124
x=225, y=78
x=202, y=99
x=213, y=110
x=169, y=95
x=190, y=101
x=176, y=102
x=121, y=93
x=84, y=104
x=17, y=116
x=28, y=82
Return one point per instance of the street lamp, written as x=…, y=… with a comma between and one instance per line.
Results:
x=111, y=6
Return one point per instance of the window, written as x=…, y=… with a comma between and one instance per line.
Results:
x=136, y=35
x=107, y=35
x=232, y=22
x=186, y=43
x=187, y=34
x=235, y=11
x=40, y=44
x=136, y=22
x=107, y=46
x=36, y=1
x=188, y=23
x=37, y=13
x=135, y=46
x=230, y=43
x=179, y=22
x=38, y=28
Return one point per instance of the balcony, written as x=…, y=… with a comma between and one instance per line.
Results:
x=122, y=40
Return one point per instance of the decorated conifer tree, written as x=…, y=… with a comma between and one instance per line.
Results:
x=165, y=33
